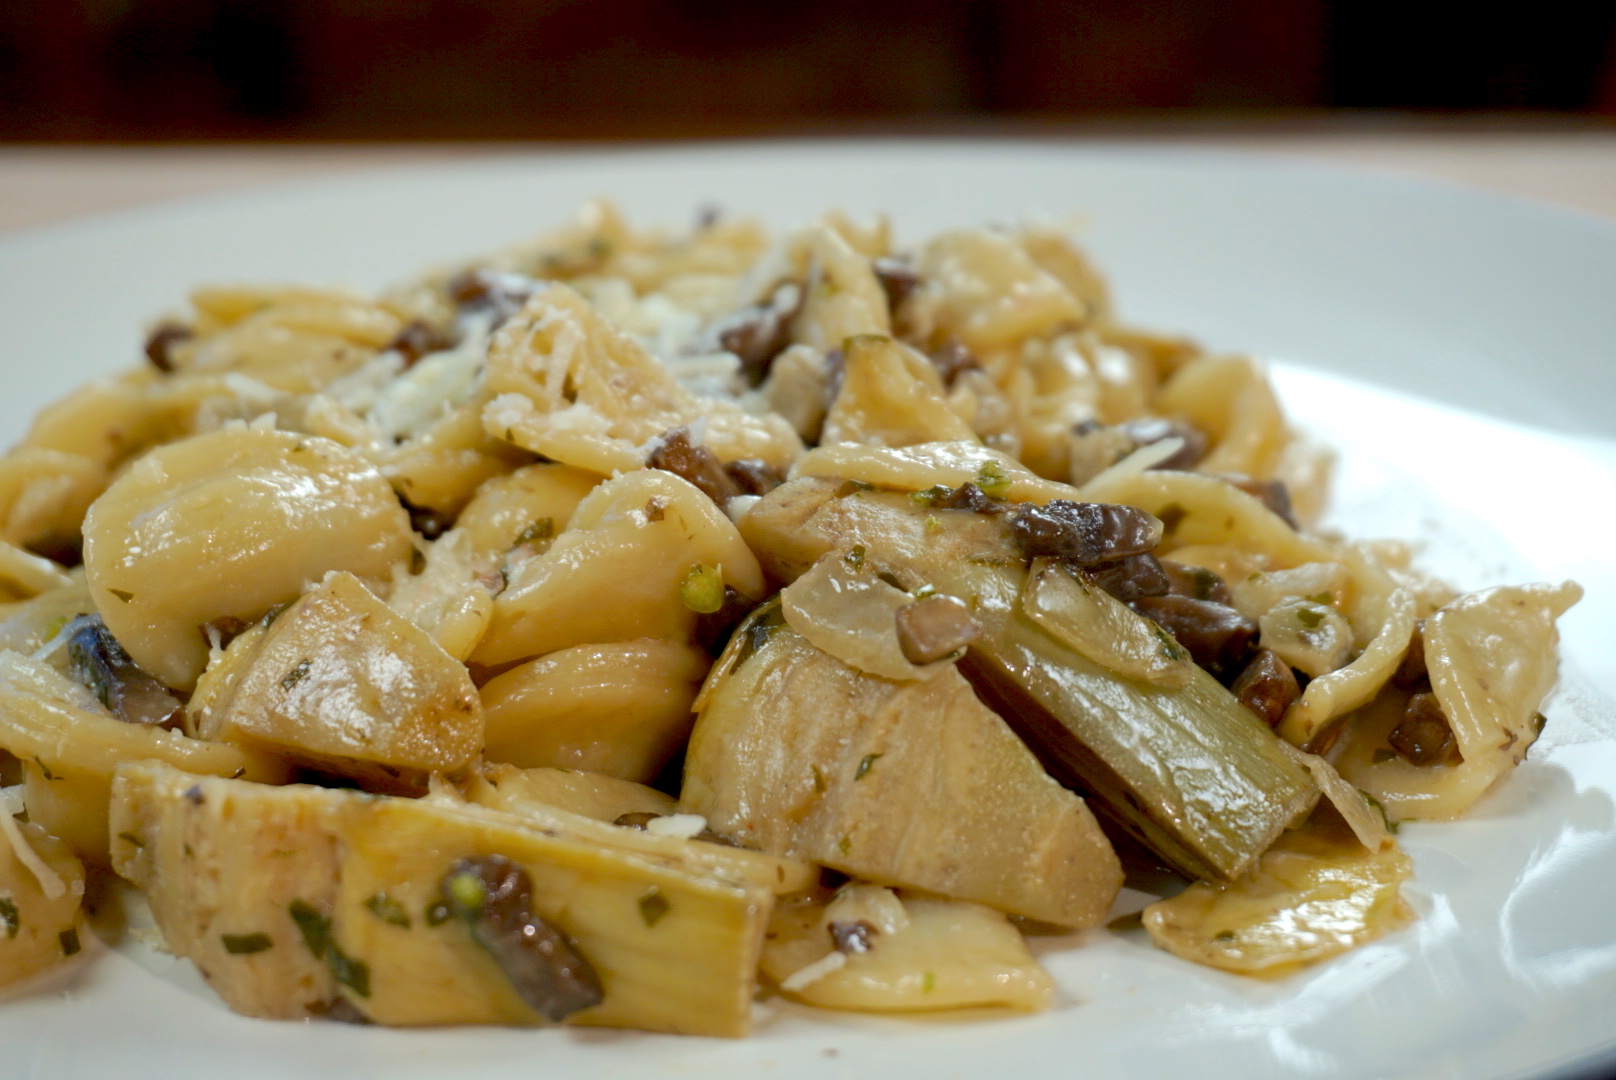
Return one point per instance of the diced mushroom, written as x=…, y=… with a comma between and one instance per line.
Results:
x=494, y=895
x=754, y=476
x=675, y=453
x=1267, y=687
x=1084, y=533
x=1131, y=578
x=97, y=660
x=1271, y=493
x=898, y=279
x=491, y=290
x=935, y=627
x=757, y=334
x=968, y=497
x=417, y=339
x=951, y=359
x=1411, y=673
x=1423, y=736
x=1217, y=636
x=160, y=345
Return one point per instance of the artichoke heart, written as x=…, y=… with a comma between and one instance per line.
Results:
x=913, y=784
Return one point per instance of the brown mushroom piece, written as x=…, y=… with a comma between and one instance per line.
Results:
x=1218, y=637
x=675, y=453
x=934, y=628
x=494, y=896
x=1082, y=532
x=97, y=660
x=1423, y=736
x=1267, y=687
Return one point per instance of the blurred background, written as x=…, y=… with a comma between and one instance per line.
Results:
x=359, y=70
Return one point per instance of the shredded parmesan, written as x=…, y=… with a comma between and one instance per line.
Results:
x=803, y=978
x=683, y=826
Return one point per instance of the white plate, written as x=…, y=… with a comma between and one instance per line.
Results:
x=1456, y=347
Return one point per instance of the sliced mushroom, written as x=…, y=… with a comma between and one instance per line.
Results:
x=494, y=895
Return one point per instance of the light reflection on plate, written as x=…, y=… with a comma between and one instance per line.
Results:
x=1385, y=297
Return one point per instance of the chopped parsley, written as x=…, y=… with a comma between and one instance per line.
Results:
x=992, y=480
x=8, y=914
x=855, y=557
x=388, y=910
x=296, y=675
x=864, y=766
x=122, y=594
x=246, y=944
x=653, y=906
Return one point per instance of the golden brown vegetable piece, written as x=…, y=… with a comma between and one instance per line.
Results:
x=341, y=680
x=265, y=512
x=913, y=784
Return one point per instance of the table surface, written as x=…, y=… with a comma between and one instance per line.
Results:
x=40, y=185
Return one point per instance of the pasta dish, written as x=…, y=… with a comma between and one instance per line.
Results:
x=627, y=624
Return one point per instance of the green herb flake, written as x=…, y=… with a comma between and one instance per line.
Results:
x=930, y=496
x=44, y=770
x=296, y=675
x=1223, y=936
x=354, y=974
x=844, y=845
x=9, y=914
x=439, y=913
x=1323, y=599
x=69, y=940
x=855, y=557
x=315, y=927
x=928, y=982
x=864, y=766
x=1391, y=826
x=853, y=487
x=1309, y=618
x=388, y=910
x=131, y=838
x=992, y=480
x=542, y=529
x=819, y=780
x=934, y=524
x=246, y=944
x=122, y=594
x=653, y=906
x=702, y=589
